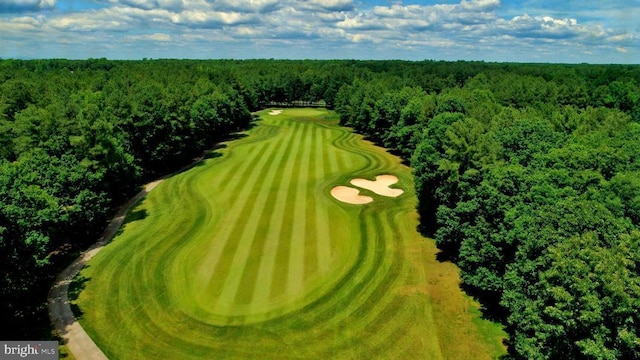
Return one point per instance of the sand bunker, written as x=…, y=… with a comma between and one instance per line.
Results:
x=275, y=112
x=380, y=186
x=350, y=195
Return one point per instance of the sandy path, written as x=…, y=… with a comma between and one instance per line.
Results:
x=65, y=322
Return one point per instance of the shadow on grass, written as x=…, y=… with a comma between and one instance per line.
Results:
x=76, y=286
x=214, y=154
x=490, y=307
x=207, y=155
x=210, y=153
x=135, y=215
x=63, y=352
x=236, y=135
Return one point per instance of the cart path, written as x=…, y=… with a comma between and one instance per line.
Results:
x=62, y=317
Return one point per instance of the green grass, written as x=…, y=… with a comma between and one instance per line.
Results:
x=247, y=255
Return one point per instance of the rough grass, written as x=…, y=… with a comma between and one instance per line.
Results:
x=249, y=256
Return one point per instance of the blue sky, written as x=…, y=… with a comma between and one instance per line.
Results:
x=569, y=31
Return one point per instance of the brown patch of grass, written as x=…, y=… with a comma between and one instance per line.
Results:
x=452, y=309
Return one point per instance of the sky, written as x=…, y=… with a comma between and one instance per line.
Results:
x=562, y=31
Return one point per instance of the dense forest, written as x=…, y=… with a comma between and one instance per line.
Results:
x=527, y=175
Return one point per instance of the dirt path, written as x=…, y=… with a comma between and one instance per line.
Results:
x=66, y=324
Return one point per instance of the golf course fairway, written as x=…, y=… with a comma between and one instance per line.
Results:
x=247, y=255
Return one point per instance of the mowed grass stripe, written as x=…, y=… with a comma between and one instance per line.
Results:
x=363, y=276
x=353, y=157
x=280, y=273
x=256, y=280
x=211, y=272
x=316, y=233
x=332, y=151
x=277, y=217
x=232, y=180
x=295, y=278
x=374, y=313
x=216, y=195
x=227, y=177
x=150, y=261
x=249, y=235
x=346, y=159
x=131, y=305
x=127, y=299
x=310, y=238
x=351, y=286
x=360, y=271
x=322, y=224
x=236, y=238
x=380, y=304
x=364, y=271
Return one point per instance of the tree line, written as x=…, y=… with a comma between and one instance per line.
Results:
x=526, y=174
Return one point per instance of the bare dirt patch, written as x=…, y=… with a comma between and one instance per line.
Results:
x=408, y=290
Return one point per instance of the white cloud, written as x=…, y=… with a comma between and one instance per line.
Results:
x=402, y=11
x=479, y=5
x=333, y=5
x=170, y=4
x=253, y=6
x=440, y=15
x=330, y=17
x=21, y=25
x=159, y=37
x=622, y=37
x=361, y=22
x=214, y=19
x=247, y=31
x=626, y=40
x=250, y=6
x=119, y=19
x=26, y=5
x=86, y=24
x=474, y=27
x=546, y=27
x=143, y=4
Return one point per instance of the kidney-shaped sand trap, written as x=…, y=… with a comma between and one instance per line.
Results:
x=275, y=112
x=350, y=195
x=380, y=186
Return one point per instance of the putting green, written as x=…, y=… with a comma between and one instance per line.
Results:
x=247, y=255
